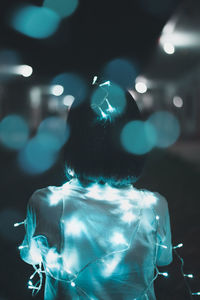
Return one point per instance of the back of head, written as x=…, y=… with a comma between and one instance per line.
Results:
x=94, y=151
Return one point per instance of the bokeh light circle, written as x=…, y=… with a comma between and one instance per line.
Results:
x=68, y=100
x=121, y=71
x=62, y=7
x=55, y=131
x=73, y=85
x=38, y=155
x=25, y=70
x=167, y=128
x=138, y=137
x=141, y=87
x=14, y=132
x=35, y=22
x=168, y=48
x=115, y=96
x=178, y=101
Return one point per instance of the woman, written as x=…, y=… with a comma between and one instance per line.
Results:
x=97, y=236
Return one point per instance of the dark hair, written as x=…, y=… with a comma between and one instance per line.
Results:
x=94, y=151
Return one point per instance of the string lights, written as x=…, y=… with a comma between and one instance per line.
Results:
x=18, y=224
x=185, y=276
x=110, y=260
x=107, y=114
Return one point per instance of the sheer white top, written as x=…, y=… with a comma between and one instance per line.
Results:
x=98, y=242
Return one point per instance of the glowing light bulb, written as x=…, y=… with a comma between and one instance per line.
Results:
x=165, y=274
x=54, y=198
x=148, y=200
x=178, y=246
x=118, y=239
x=196, y=294
x=57, y=90
x=168, y=48
x=73, y=284
x=94, y=80
x=128, y=217
x=22, y=247
x=189, y=275
x=18, y=224
x=52, y=258
x=110, y=108
x=163, y=246
x=75, y=227
x=105, y=83
x=104, y=116
x=157, y=217
x=141, y=87
x=30, y=282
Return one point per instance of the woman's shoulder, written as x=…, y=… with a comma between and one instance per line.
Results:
x=153, y=199
x=43, y=196
x=51, y=195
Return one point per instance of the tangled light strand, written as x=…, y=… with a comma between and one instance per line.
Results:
x=185, y=276
x=39, y=271
x=104, y=115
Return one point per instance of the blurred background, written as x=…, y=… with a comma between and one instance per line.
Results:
x=51, y=49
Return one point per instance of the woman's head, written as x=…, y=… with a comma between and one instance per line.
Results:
x=94, y=151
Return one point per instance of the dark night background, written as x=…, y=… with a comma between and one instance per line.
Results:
x=96, y=33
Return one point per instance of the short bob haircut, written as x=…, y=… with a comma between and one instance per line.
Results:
x=93, y=152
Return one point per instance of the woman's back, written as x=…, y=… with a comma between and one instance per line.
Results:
x=98, y=242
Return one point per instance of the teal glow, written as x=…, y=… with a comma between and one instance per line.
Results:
x=95, y=192
x=73, y=284
x=55, y=198
x=111, y=265
x=52, y=259
x=14, y=132
x=73, y=85
x=37, y=157
x=35, y=252
x=55, y=131
x=138, y=137
x=112, y=247
x=74, y=227
x=167, y=128
x=64, y=8
x=121, y=71
x=165, y=274
x=71, y=261
x=128, y=217
x=108, y=101
x=57, y=195
x=35, y=22
x=118, y=239
x=125, y=205
x=149, y=200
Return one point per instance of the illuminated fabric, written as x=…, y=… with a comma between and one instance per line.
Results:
x=98, y=242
